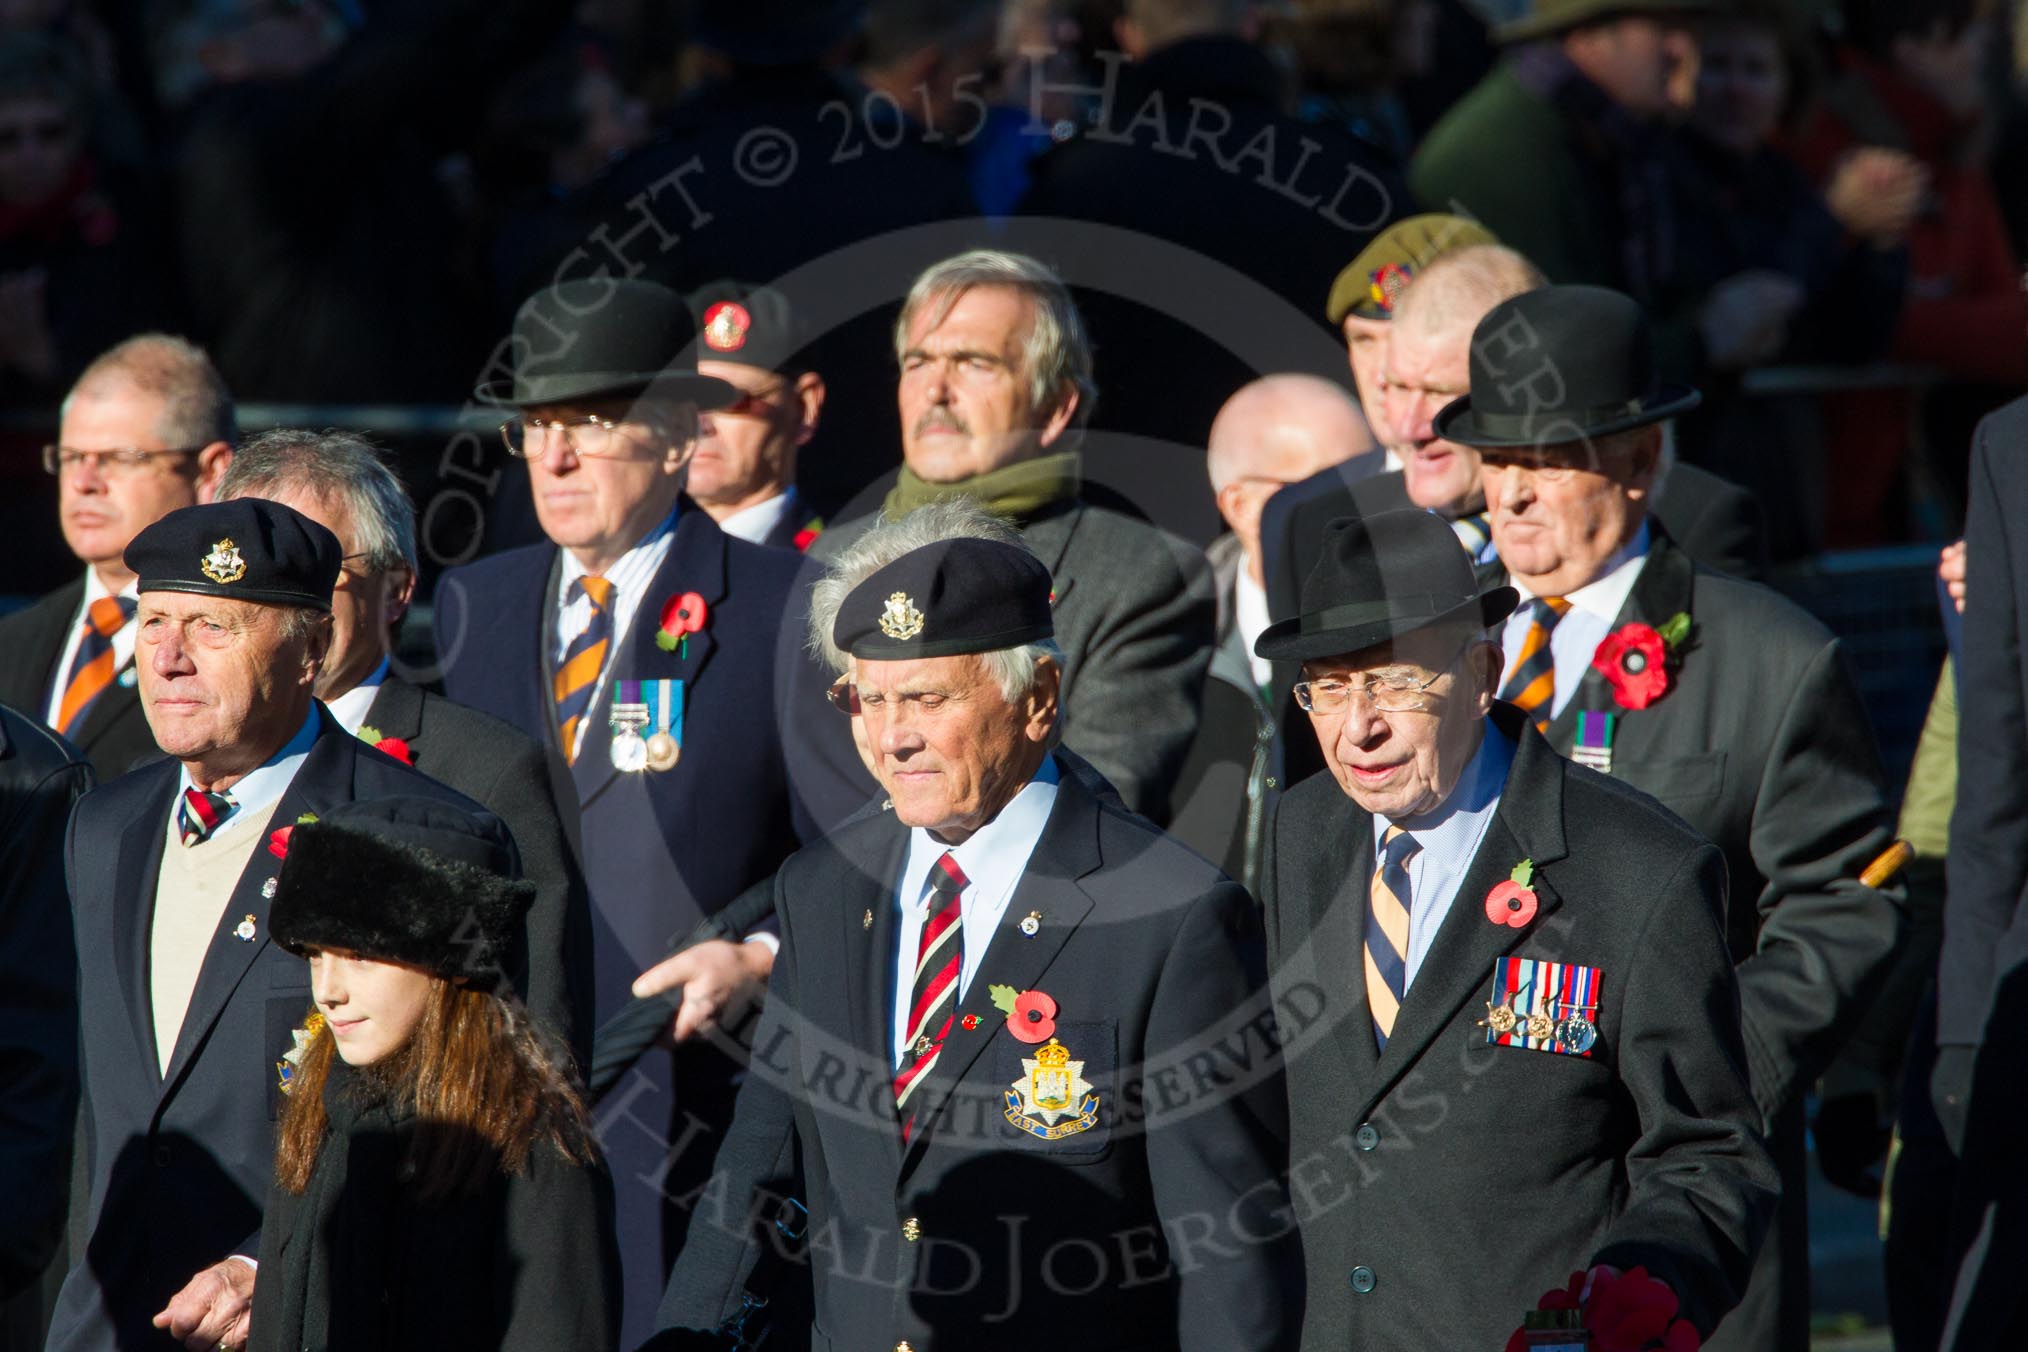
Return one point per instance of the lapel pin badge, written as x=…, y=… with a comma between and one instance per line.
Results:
x=268, y=889
x=866, y=921
x=1030, y=923
x=245, y=931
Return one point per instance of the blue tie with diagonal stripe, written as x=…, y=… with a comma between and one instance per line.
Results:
x=1387, y=932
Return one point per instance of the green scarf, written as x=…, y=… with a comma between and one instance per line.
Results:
x=1017, y=491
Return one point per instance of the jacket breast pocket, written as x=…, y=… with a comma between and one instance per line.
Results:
x=1059, y=1095
x=1677, y=781
x=284, y=1015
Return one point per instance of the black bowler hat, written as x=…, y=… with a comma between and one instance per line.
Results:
x=750, y=325
x=1380, y=577
x=602, y=337
x=406, y=879
x=946, y=599
x=1561, y=364
x=248, y=549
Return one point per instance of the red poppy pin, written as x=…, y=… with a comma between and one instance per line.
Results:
x=396, y=747
x=278, y=839
x=1031, y=1015
x=807, y=536
x=682, y=616
x=1623, y=1312
x=1513, y=902
x=1636, y=660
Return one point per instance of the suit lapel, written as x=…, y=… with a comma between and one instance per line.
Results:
x=324, y=778
x=1337, y=888
x=1049, y=536
x=1067, y=851
x=396, y=710
x=1528, y=824
x=140, y=857
x=35, y=685
x=695, y=563
x=869, y=961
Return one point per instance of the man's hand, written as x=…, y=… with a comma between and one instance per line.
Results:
x=1876, y=193
x=214, y=1310
x=719, y=979
x=1745, y=319
x=1950, y=566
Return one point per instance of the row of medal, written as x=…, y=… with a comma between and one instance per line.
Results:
x=651, y=707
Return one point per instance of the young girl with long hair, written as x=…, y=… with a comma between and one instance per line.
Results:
x=436, y=1181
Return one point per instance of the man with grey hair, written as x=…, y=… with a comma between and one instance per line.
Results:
x=147, y=428
x=995, y=384
x=1021, y=973
x=1724, y=700
x=339, y=480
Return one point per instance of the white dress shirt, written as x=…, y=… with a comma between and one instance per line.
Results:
x=754, y=523
x=993, y=860
x=123, y=641
x=1450, y=838
x=1594, y=608
x=1250, y=617
x=630, y=577
x=350, y=708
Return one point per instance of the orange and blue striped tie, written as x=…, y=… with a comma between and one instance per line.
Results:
x=577, y=676
x=933, y=998
x=1387, y=906
x=1532, y=682
x=93, y=669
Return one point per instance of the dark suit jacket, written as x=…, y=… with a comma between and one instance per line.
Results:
x=1152, y=958
x=1717, y=523
x=1134, y=615
x=40, y=777
x=1468, y=1178
x=661, y=849
x=528, y=785
x=1763, y=745
x=180, y=1163
x=114, y=733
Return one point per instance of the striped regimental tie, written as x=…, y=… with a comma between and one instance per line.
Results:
x=940, y=959
x=1474, y=532
x=1387, y=932
x=1532, y=681
x=200, y=813
x=92, y=670
x=577, y=676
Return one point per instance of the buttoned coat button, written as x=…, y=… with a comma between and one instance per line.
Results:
x=911, y=1229
x=1367, y=1137
x=1362, y=1279
x=903, y=1346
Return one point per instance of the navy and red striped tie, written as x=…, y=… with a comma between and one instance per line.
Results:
x=200, y=813
x=940, y=960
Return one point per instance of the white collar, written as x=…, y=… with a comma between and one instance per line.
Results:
x=264, y=785
x=993, y=856
x=573, y=570
x=350, y=708
x=1606, y=593
x=753, y=524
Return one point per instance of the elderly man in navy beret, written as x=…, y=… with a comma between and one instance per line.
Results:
x=989, y=988
x=185, y=1004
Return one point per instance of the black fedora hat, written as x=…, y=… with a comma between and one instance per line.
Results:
x=1378, y=578
x=600, y=337
x=1561, y=364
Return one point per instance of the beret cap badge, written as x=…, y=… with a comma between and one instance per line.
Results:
x=223, y=564
x=725, y=326
x=901, y=620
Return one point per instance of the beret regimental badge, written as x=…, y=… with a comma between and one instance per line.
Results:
x=223, y=564
x=1389, y=281
x=725, y=326
x=901, y=620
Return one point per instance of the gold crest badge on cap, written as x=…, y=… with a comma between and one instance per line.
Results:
x=223, y=564
x=725, y=326
x=901, y=620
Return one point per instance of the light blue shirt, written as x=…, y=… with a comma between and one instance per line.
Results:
x=992, y=860
x=264, y=785
x=1450, y=838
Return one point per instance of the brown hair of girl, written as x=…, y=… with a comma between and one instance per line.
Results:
x=483, y=1089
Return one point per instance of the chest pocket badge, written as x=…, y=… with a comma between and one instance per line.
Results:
x=1052, y=1099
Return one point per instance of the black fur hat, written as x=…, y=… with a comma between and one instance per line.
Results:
x=410, y=880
